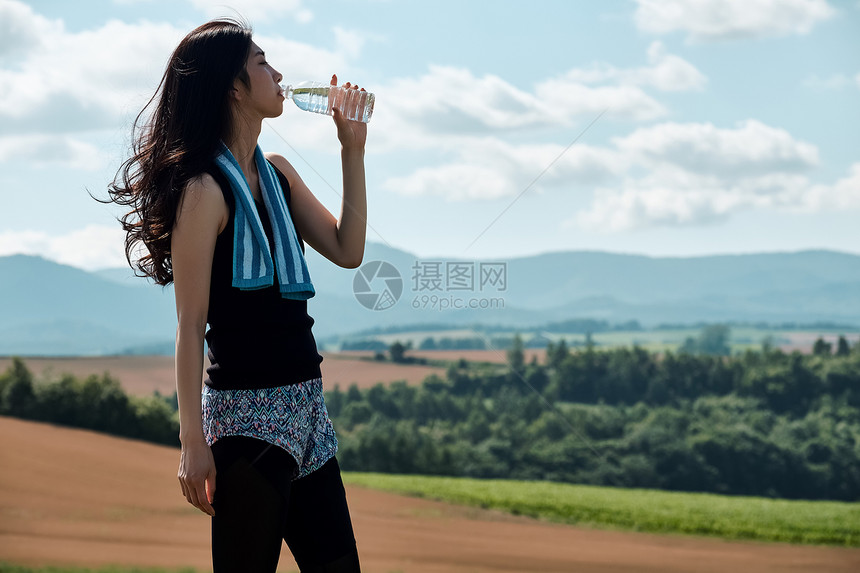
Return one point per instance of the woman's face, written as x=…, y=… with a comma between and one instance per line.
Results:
x=264, y=95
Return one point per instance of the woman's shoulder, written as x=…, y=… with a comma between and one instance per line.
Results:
x=212, y=181
x=203, y=196
x=276, y=158
x=281, y=164
x=203, y=184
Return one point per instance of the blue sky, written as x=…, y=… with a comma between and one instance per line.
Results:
x=722, y=126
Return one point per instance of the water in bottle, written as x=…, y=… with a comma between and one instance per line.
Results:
x=318, y=97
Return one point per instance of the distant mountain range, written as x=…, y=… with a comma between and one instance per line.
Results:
x=52, y=309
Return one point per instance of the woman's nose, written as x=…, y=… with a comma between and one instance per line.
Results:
x=278, y=77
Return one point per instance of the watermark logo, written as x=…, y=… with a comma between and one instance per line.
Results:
x=377, y=285
x=459, y=276
x=437, y=285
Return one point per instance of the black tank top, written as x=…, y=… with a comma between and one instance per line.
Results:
x=256, y=338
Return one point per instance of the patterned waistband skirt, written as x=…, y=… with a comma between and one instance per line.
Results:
x=293, y=417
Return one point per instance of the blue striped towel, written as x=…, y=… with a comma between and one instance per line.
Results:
x=253, y=267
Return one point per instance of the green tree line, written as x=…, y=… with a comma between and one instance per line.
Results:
x=95, y=403
x=762, y=422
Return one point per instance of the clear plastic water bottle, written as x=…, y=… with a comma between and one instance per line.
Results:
x=318, y=97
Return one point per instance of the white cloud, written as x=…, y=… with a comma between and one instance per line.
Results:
x=40, y=149
x=707, y=20
x=699, y=174
x=671, y=197
x=488, y=169
x=857, y=80
x=454, y=182
x=636, y=208
x=666, y=72
x=86, y=80
x=449, y=99
x=254, y=9
x=667, y=174
x=842, y=195
x=467, y=123
x=570, y=98
x=100, y=78
x=93, y=247
x=556, y=164
x=412, y=114
x=752, y=148
x=22, y=29
x=424, y=112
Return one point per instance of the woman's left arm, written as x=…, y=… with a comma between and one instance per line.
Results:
x=340, y=241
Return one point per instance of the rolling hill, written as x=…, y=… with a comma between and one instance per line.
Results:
x=49, y=308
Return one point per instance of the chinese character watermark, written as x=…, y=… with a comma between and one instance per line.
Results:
x=378, y=285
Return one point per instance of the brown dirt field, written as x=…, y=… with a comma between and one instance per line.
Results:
x=139, y=375
x=804, y=341
x=77, y=497
x=344, y=370
x=142, y=375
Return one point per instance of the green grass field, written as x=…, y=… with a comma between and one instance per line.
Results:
x=655, y=511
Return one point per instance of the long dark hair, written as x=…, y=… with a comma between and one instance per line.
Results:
x=191, y=114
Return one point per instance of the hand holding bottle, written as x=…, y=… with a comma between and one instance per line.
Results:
x=344, y=102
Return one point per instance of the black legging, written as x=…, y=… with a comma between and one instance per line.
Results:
x=256, y=505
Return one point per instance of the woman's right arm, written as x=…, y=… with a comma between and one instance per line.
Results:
x=201, y=215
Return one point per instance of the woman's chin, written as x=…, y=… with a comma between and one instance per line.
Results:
x=277, y=112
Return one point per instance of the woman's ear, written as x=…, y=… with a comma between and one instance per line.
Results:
x=237, y=91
